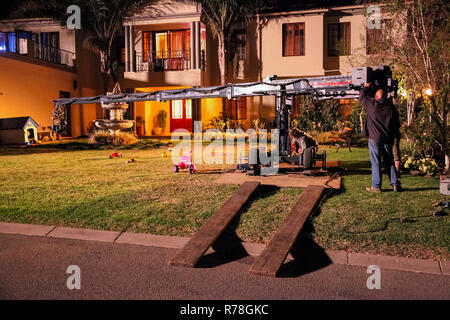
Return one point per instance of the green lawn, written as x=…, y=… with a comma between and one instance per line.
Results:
x=392, y=223
x=66, y=186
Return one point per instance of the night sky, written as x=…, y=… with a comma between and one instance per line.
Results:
x=9, y=6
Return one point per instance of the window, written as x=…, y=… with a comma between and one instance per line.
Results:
x=22, y=41
x=122, y=55
x=188, y=109
x=170, y=44
x=374, y=38
x=339, y=40
x=3, y=41
x=146, y=45
x=50, y=46
x=241, y=41
x=177, y=109
x=161, y=45
x=293, y=39
x=237, y=108
x=12, y=42
x=179, y=43
x=50, y=39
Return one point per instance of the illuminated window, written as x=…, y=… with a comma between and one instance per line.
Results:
x=177, y=109
x=22, y=42
x=180, y=43
x=12, y=42
x=188, y=109
x=161, y=45
x=170, y=48
x=3, y=41
x=146, y=45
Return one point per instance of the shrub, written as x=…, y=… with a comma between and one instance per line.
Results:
x=104, y=137
x=219, y=122
x=322, y=137
x=357, y=116
x=258, y=124
x=425, y=165
x=162, y=115
x=319, y=115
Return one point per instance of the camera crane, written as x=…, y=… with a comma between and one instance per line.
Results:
x=324, y=87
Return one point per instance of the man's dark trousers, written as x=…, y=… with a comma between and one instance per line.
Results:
x=378, y=150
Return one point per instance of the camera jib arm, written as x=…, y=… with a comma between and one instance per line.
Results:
x=284, y=90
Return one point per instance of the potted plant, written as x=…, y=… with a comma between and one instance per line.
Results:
x=161, y=120
x=140, y=126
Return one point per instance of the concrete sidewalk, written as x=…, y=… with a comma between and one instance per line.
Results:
x=337, y=257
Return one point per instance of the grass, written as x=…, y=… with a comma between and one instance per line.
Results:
x=70, y=184
x=393, y=223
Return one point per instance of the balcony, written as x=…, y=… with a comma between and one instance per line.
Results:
x=9, y=43
x=170, y=60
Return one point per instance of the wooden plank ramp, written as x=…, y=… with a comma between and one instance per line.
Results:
x=279, y=246
x=205, y=237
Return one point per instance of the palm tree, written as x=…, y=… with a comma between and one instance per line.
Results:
x=102, y=20
x=224, y=17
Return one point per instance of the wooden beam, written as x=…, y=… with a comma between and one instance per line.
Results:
x=279, y=246
x=292, y=180
x=191, y=253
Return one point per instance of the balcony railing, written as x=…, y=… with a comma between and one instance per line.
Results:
x=28, y=47
x=169, y=60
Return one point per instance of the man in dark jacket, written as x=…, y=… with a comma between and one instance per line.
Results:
x=381, y=126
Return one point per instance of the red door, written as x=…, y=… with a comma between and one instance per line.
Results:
x=181, y=115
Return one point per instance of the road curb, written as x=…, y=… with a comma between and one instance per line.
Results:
x=445, y=267
x=396, y=263
x=429, y=266
x=83, y=234
x=25, y=229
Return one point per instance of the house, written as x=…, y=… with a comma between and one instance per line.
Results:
x=18, y=130
x=41, y=60
x=167, y=47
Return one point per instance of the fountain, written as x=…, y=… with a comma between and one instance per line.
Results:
x=116, y=110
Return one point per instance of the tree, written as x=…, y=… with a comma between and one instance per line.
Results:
x=223, y=17
x=415, y=39
x=102, y=20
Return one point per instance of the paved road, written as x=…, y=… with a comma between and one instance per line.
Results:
x=35, y=268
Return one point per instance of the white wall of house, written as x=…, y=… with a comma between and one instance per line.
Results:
x=38, y=26
x=28, y=83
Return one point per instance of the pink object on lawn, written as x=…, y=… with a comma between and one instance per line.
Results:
x=186, y=163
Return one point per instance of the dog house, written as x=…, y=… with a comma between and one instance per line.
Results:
x=18, y=130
